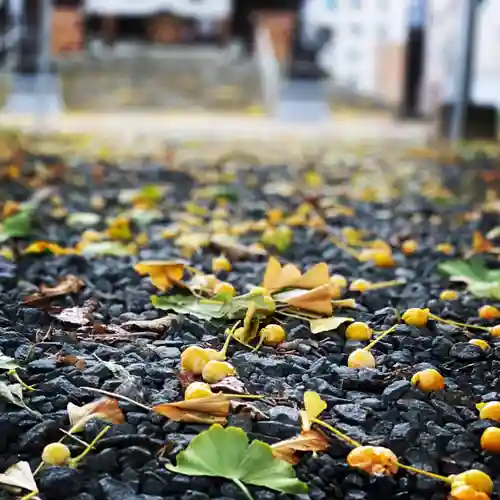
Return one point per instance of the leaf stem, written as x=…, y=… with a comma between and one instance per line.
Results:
x=457, y=323
x=74, y=461
x=344, y=247
x=339, y=434
x=243, y=488
x=117, y=396
x=380, y=337
x=13, y=373
x=30, y=495
x=385, y=284
x=438, y=477
x=230, y=334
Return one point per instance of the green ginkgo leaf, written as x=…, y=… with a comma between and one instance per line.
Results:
x=226, y=453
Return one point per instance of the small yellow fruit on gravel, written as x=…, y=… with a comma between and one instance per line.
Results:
x=215, y=371
x=273, y=335
x=225, y=288
x=446, y=248
x=462, y=491
x=258, y=290
x=375, y=460
x=194, y=358
x=416, y=317
x=428, y=380
x=409, y=247
x=383, y=258
x=480, y=343
x=197, y=390
x=361, y=359
x=489, y=312
x=474, y=478
x=56, y=454
x=221, y=264
x=495, y=331
x=490, y=440
x=359, y=285
x=338, y=279
x=358, y=331
x=490, y=411
x=448, y=295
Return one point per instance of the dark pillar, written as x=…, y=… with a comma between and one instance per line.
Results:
x=29, y=46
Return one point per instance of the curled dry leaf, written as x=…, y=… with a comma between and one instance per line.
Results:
x=209, y=410
x=103, y=408
x=153, y=325
x=80, y=316
x=69, y=284
x=234, y=249
x=306, y=441
x=318, y=300
x=47, y=246
x=163, y=273
x=230, y=384
x=249, y=408
x=19, y=476
x=321, y=325
x=77, y=361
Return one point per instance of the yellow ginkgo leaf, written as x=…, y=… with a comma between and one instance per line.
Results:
x=317, y=300
x=316, y=276
x=43, y=246
x=119, y=229
x=163, y=273
x=276, y=277
x=313, y=407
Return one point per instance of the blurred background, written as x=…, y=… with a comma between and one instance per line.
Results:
x=415, y=70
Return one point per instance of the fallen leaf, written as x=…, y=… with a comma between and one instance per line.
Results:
x=119, y=229
x=13, y=393
x=251, y=409
x=235, y=250
x=17, y=225
x=7, y=363
x=69, y=284
x=230, y=384
x=321, y=325
x=193, y=241
x=316, y=276
x=154, y=325
x=318, y=300
x=219, y=452
x=276, y=277
x=47, y=246
x=114, y=248
x=306, y=441
x=104, y=408
x=82, y=220
x=212, y=409
x=19, y=476
x=77, y=315
x=163, y=273
x=313, y=407
x=77, y=361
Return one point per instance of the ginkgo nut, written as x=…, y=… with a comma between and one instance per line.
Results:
x=428, y=380
x=214, y=371
x=273, y=334
x=358, y=331
x=361, y=358
x=56, y=454
x=197, y=390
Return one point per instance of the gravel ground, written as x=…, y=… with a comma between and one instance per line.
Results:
x=438, y=431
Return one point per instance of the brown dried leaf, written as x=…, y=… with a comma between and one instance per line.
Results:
x=77, y=361
x=235, y=250
x=103, y=408
x=252, y=410
x=69, y=284
x=154, y=325
x=318, y=300
x=80, y=316
x=230, y=384
x=306, y=441
x=202, y=410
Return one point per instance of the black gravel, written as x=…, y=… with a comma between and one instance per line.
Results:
x=438, y=432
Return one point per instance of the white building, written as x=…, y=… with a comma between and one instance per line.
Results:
x=445, y=26
x=367, y=51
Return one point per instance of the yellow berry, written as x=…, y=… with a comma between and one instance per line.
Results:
x=474, y=478
x=339, y=280
x=416, y=317
x=490, y=411
x=448, y=295
x=383, y=258
x=480, y=343
x=461, y=491
x=197, y=390
x=358, y=331
x=239, y=333
x=214, y=371
x=258, y=290
x=221, y=264
x=273, y=334
x=56, y=454
x=495, y=331
x=446, y=248
x=194, y=358
x=428, y=380
x=490, y=440
x=361, y=358
x=225, y=289
x=409, y=247
x=489, y=312
x=375, y=460
x=359, y=285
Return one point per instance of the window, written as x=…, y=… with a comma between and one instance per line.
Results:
x=331, y=4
